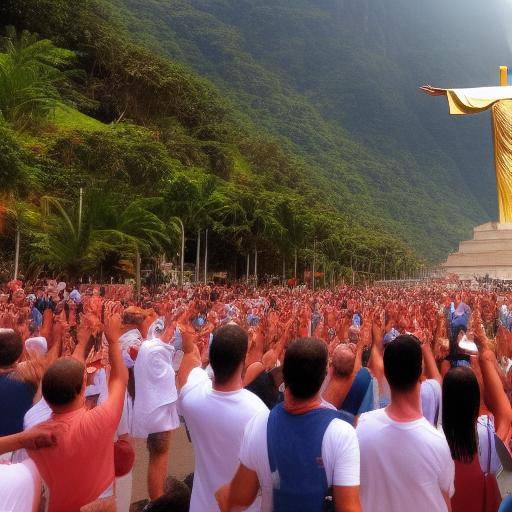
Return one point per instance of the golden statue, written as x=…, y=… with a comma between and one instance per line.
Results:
x=499, y=100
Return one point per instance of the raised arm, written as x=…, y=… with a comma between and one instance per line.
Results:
x=433, y=91
x=118, y=372
x=85, y=340
x=495, y=396
x=376, y=361
x=192, y=356
x=47, y=325
x=429, y=362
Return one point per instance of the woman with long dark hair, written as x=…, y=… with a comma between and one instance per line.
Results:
x=461, y=405
x=475, y=485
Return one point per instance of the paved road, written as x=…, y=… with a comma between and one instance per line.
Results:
x=181, y=462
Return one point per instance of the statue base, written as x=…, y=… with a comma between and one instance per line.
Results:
x=488, y=254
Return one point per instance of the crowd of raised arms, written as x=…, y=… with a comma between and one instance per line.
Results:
x=375, y=398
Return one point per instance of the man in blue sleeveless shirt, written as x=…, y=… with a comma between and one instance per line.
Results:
x=299, y=453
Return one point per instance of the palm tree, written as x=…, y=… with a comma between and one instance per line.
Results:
x=61, y=245
x=29, y=77
x=137, y=229
x=66, y=246
x=17, y=216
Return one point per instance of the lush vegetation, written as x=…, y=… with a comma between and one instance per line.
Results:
x=336, y=81
x=83, y=106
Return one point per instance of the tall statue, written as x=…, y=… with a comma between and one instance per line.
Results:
x=499, y=100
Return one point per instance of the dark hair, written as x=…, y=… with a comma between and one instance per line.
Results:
x=227, y=351
x=63, y=381
x=189, y=480
x=11, y=347
x=305, y=367
x=175, y=499
x=403, y=362
x=131, y=318
x=461, y=404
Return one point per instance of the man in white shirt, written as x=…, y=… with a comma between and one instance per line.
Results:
x=217, y=412
x=154, y=410
x=405, y=462
x=300, y=453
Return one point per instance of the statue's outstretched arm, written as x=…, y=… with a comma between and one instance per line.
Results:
x=433, y=91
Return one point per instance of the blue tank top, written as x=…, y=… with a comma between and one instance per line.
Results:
x=294, y=443
x=16, y=399
x=357, y=393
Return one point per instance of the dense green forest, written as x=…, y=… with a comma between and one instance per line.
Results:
x=337, y=81
x=152, y=145
x=269, y=123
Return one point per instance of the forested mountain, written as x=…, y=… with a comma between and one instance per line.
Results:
x=86, y=106
x=270, y=123
x=338, y=79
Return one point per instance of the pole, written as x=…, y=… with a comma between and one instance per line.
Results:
x=284, y=269
x=80, y=205
x=198, y=254
x=137, y=272
x=255, y=266
x=17, y=252
x=247, y=276
x=205, y=256
x=295, y=265
x=314, y=264
x=182, y=249
x=182, y=252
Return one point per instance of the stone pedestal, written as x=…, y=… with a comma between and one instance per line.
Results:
x=489, y=253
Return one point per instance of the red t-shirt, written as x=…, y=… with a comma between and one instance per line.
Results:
x=81, y=466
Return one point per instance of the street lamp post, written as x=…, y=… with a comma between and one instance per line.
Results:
x=205, y=256
x=255, y=266
x=314, y=264
x=198, y=255
x=182, y=249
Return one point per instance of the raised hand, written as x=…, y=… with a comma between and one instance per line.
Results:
x=113, y=328
x=37, y=437
x=433, y=91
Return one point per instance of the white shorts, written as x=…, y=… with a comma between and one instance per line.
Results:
x=162, y=419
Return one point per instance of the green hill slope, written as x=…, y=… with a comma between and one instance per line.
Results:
x=132, y=124
x=337, y=81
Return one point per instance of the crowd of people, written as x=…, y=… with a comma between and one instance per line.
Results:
x=348, y=399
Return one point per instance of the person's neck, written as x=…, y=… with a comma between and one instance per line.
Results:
x=295, y=405
x=233, y=384
x=405, y=406
x=76, y=404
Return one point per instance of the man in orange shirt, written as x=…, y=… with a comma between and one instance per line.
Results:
x=80, y=469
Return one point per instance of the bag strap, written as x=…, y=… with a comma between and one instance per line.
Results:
x=489, y=443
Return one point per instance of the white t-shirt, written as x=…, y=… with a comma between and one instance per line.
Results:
x=340, y=454
x=20, y=485
x=431, y=395
x=484, y=427
x=155, y=389
x=216, y=421
x=38, y=413
x=404, y=465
